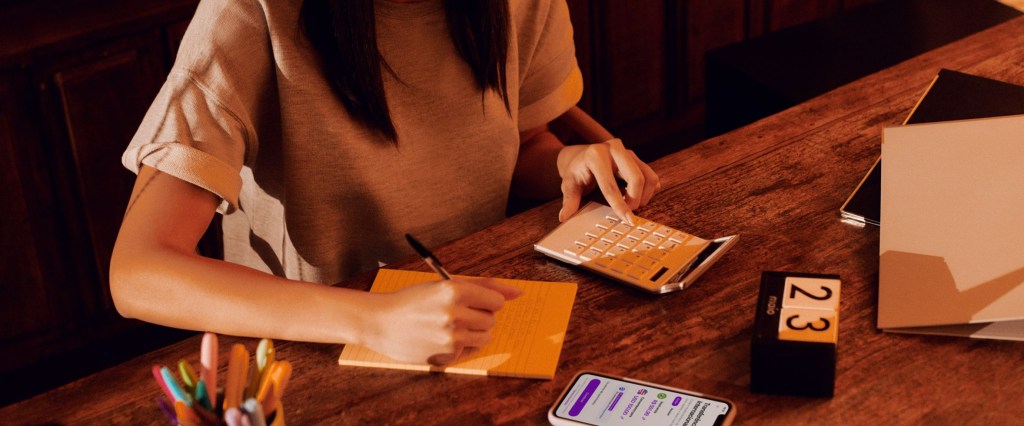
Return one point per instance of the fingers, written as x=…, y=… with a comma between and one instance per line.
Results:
x=571, y=194
x=444, y=359
x=483, y=294
x=507, y=291
x=599, y=162
x=652, y=183
x=465, y=343
x=473, y=319
x=628, y=165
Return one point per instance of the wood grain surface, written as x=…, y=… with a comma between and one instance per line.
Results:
x=778, y=183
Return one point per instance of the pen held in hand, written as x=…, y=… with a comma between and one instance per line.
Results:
x=428, y=257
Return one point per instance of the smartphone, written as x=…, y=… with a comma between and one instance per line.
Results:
x=599, y=399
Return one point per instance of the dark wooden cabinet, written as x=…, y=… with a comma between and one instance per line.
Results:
x=643, y=61
x=98, y=98
x=77, y=76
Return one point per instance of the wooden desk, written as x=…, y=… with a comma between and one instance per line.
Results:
x=779, y=183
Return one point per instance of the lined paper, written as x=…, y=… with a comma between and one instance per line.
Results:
x=526, y=342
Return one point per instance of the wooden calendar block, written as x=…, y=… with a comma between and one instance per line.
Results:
x=796, y=331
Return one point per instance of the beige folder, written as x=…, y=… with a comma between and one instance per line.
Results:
x=952, y=240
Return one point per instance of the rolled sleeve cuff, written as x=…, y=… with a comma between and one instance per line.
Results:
x=554, y=104
x=190, y=165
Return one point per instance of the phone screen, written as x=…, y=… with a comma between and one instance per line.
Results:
x=600, y=400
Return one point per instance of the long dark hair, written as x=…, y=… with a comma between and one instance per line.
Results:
x=343, y=32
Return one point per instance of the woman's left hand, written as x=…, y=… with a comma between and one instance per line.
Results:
x=582, y=167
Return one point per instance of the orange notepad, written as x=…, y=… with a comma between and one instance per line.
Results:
x=526, y=341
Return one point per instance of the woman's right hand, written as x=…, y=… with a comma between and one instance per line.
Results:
x=434, y=322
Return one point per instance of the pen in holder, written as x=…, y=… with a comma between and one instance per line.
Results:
x=252, y=389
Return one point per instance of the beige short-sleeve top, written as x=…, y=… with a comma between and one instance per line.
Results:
x=310, y=194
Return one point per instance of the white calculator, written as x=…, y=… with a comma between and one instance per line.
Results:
x=649, y=255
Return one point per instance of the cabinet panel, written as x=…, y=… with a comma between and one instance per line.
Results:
x=633, y=42
x=103, y=95
x=850, y=4
x=25, y=307
x=787, y=13
x=711, y=24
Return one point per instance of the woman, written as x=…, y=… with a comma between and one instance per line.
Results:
x=324, y=131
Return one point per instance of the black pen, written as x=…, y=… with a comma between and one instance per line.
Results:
x=428, y=257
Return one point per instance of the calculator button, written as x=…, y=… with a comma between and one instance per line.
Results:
x=603, y=261
x=646, y=247
x=617, y=251
x=638, y=234
x=619, y=266
x=607, y=223
x=658, y=254
x=593, y=253
x=646, y=262
x=629, y=242
x=586, y=240
x=576, y=250
x=602, y=245
x=645, y=226
x=664, y=231
x=636, y=273
x=630, y=257
x=596, y=232
x=611, y=237
x=669, y=245
x=679, y=237
x=655, y=239
x=622, y=228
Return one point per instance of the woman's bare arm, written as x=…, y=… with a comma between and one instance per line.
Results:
x=156, y=276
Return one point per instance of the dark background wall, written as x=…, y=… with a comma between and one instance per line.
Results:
x=76, y=76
